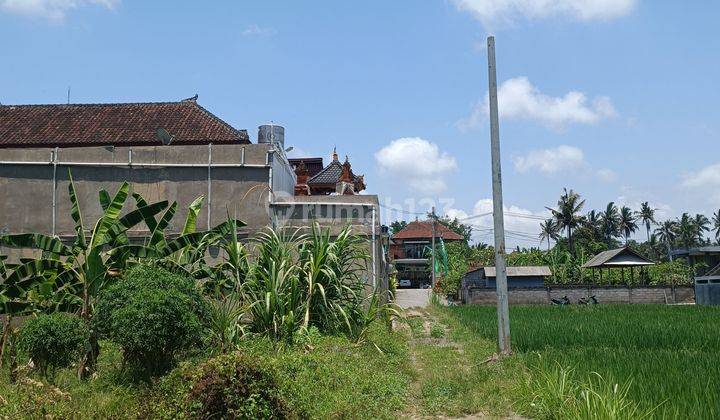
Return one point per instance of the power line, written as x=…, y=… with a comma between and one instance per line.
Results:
x=506, y=213
x=403, y=211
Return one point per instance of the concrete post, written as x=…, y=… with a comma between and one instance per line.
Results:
x=54, y=191
x=503, y=311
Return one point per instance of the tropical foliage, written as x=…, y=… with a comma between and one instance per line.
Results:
x=158, y=297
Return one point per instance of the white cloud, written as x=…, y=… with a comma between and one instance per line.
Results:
x=519, y=99
x=522, y=226
x=50, y=9
x=550, y=161
x=417, y=163
x=255, y=30
x=494, y=12
x=708, y=176
x=606, y=175
x=561, y=159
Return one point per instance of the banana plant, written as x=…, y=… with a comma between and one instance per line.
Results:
x=84, y=265
x=187, y=252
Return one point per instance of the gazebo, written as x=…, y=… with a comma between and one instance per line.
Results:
x=621, y=258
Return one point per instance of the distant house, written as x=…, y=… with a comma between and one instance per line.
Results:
x=704, y=259
x=336, y=178
x=408, y=250
x=526, y=276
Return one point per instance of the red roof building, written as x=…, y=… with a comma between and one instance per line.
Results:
x=423, y=230
x=121, y=124
x=409, y=250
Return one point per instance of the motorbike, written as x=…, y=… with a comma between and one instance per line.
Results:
x=590, y=300
x=562, y=301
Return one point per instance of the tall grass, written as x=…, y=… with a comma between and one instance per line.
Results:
x=664, y=358
x=557, y=393
x=315, y=280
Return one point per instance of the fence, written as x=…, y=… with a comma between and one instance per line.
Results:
x=604, y=294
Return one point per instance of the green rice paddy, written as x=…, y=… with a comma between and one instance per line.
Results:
x=669, y=356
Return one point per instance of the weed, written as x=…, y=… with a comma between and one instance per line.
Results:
x=437, y=331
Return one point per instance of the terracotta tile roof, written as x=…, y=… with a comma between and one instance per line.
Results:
x=128, y=124
x=423, y=230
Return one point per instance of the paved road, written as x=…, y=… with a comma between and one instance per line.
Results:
x=412, y=298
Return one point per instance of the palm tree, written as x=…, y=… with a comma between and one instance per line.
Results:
x=716, y=225
x=687, y=231
x=701, y=224
x=667, y=232
x=627, y=223
x=593, y=223
x=548, y=230
x=610, y=219
x=567, y=214
x=647, y=216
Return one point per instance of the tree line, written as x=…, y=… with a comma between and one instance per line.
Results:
x=614, y=226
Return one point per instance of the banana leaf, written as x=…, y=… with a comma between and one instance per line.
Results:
x=36, y=241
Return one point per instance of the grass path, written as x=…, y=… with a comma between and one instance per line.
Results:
x=452, y=377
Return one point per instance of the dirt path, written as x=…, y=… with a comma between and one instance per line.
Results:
x=450, y=380
x=426, y=332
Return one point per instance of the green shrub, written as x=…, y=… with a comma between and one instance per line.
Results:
x=153, y=315
x=228, y=386
x=53, y=341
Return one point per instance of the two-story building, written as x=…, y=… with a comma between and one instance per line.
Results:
x=410, y=250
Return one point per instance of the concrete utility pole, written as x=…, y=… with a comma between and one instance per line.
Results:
x=432, y=266
x=503, y=311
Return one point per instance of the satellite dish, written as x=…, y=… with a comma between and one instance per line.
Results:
x=164, y=136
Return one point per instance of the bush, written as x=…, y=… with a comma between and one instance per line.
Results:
x=228, y=386
x=53, y=341
x=153, y=315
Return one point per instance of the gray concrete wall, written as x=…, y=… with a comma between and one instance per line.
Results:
x=604, y=294
x=243, y=191
x=26, y=184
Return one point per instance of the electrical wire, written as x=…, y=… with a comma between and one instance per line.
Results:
x=402, y=211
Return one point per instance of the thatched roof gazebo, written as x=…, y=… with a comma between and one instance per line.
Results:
x=621, y=258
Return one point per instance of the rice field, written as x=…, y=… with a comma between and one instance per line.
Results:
x=668, y=357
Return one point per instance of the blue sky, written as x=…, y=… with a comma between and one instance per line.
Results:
x=617, y=99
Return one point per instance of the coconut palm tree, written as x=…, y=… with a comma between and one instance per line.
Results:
x=687, y=230
x=610, y=220
x=667, y=233
x=702, y=225
x=627, y=223
x=567, y=215
x=716, y=225
x=548, y=230
x=593, y=223
x=647, y=216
